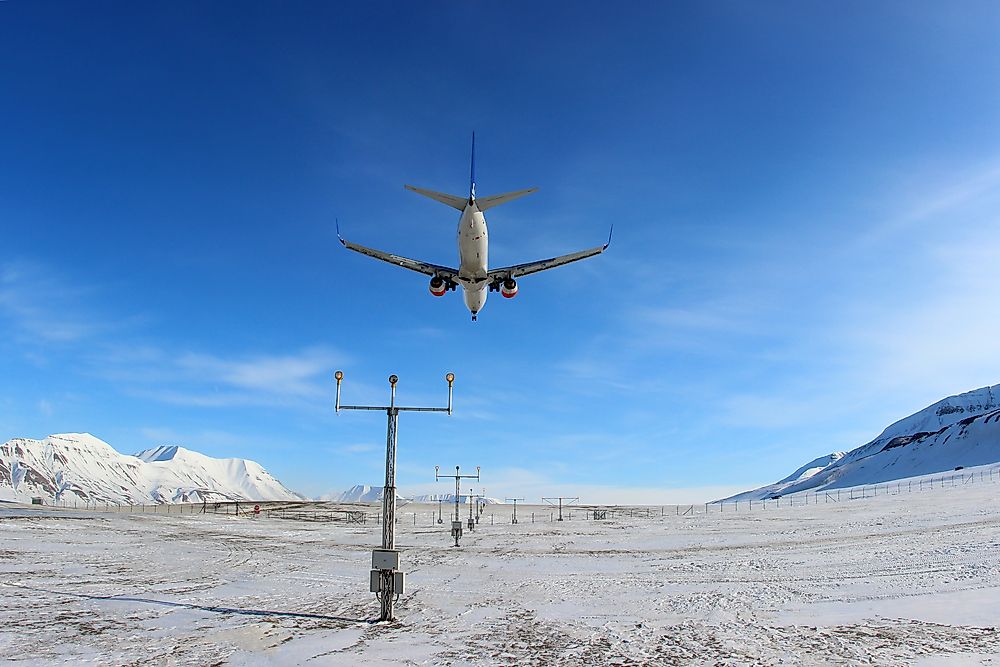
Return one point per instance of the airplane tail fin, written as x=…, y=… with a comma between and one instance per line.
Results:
x=496, y=200
x=449, y=200
x=472, y=170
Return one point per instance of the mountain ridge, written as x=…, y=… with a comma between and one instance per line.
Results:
x=80, y=466
x=958, y=431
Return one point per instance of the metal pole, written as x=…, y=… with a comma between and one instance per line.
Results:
x=385, y=573
x=457, y=520
x=514, y=517
x=389, y=502
x=560, y=499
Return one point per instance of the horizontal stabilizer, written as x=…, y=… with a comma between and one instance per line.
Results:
x=496, y=200
x=450, y=200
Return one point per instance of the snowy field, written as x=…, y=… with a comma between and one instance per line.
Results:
x=910, y=579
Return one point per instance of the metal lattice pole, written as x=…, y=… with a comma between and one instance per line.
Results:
x=387, y=580
x=389, y=507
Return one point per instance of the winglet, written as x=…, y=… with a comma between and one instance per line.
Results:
x=609, y=237
x=342, y=241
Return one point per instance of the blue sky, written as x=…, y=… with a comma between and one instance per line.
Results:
x=804, y=196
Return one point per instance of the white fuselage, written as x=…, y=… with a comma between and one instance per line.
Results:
x=473, y=250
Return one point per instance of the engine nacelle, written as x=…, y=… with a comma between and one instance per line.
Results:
x=509, y=288
x=438, y=286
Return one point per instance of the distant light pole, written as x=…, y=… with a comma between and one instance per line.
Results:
x=386, y=578
x=560, y=499
x=456, y=522
x=474, y=503
x=514, y=519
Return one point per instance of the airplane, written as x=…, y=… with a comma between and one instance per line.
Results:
x=473, y=274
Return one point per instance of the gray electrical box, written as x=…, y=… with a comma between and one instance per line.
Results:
x=398, y=583
x=472, y=524
x=456, y=528
x=385, y=559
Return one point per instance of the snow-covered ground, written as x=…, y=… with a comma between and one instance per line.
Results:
x=907, y=579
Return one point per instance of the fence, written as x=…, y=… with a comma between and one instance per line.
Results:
x=501, y=514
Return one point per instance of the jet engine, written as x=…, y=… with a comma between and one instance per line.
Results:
x=509, y=288
x=438, y=286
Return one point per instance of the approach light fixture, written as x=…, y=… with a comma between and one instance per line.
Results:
x=386, y=579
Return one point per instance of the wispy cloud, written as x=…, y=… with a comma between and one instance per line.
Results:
x=947, y=195
x=207, y=380
x=40, y=304
x=160, y=435
x=357, y=448
x=287, y=374
x=49, y=311
x=825, y=341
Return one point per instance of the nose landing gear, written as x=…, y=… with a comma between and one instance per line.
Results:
x=473, y=317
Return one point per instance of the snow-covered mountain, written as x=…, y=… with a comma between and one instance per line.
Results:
x=958, y=431
x=361, y=493
x=78, y=466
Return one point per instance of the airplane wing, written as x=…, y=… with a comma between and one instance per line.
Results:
x=541, y=265
x=426, y=268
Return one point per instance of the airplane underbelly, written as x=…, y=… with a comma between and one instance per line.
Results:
x=475, y=298
x=473, y=251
